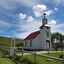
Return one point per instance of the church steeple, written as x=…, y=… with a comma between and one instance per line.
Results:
x=44, y=20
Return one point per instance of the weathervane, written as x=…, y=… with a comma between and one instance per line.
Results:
x=44, y=15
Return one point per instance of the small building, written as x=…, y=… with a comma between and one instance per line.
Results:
x=40, y=39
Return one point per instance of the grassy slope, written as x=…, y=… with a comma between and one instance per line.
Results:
x=6, y=61
x=6, y=41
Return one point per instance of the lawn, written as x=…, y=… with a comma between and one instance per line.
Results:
x=40, y=60
x=6, y=61
x=55, y=54
x=29, y=59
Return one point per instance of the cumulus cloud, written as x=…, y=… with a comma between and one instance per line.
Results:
x=56, y=9
x=28, y=28
x=34, y=26
x=55, y=27
x=39, y=9
x=52, y=23
x=49, y=12
x=58, y=28
x=22, y=16
x=30, y=19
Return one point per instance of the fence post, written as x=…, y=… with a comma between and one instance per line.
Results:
x=22, y=52
x=35, y=57
x=63, y=59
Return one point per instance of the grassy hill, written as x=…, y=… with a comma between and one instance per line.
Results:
x=5, y=41
x=6, y=61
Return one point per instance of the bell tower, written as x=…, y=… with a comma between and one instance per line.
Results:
x=44, y=20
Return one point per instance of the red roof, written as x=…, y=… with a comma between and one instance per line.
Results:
x=32, y=35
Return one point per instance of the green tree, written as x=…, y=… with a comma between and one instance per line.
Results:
x=57, y=45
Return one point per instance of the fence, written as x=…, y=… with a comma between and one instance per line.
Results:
x=34, y=58
x=41, y=59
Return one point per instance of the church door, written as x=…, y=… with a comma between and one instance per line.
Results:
x=47, y=44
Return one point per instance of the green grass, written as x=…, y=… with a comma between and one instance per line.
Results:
x=29, y=59
x=5, y=41
x=54, y=54
x=6, y=61
x=41, y=60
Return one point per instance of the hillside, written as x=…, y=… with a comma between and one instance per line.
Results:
x=5, y=41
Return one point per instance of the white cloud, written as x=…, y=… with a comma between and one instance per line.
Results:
x=58, y=28
x=52, y=23
x=49, y=12
x=31, y=27
x=34, y=26
x=3, y=23
x=7, y=4
x=12, y=4
x=39, y=9
x=28, y=27
x=57, y=2
x=30, y=19
x=28, y=3
x=22, y=16
x=56, y=9
x=23, y=35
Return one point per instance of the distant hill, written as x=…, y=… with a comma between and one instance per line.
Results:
x=5, y=41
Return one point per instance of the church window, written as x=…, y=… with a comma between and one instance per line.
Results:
x=25, y=43
x=47, y=34
x=30, y=43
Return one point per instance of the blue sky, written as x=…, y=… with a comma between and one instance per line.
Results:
x=18, y=18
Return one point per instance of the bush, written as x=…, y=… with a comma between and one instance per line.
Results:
x=4, y=53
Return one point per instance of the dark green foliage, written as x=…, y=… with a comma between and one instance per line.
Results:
x=19, y=44
x=26, y=61
x=4, y=53
x=57, y=45
x=18, y=59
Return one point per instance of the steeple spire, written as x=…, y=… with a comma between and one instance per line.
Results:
x=44, y=20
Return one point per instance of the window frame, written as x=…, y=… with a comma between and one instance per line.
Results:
x=30, y=43
x=26, y=43
x=47, y=33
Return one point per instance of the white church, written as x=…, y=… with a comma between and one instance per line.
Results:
x=39, y=40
